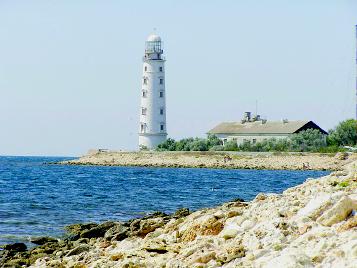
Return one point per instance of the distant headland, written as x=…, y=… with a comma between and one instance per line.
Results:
x=231, y=160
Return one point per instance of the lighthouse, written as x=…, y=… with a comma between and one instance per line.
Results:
x=152, y=130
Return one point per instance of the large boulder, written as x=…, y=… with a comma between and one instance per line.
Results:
x=78, y=250
x=342, y=156
x=51, y=247
x=141, y=227
x=290, y=258
x=315, y=207
x=180, y=213
x=13, y=255
x=42, y=240
x=155, y=245
x=156, y=214
x=349, y=224
x=205, y=225
x=117, y=233
x=98, y=231
x=78, y=228
x=19, y=247
x=337, y=212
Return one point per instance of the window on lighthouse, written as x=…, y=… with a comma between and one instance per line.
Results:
x=162, y=127
x=145, y=81
x=161, y=81
x=161, y=111
x=143, y=111
x=142, y=128
x=144, y=93
x=160, y=69
x=161, y=94
x=146, y=68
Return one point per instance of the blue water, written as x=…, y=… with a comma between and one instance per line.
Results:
x=38, y=199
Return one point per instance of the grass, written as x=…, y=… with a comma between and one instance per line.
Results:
x=344, y=184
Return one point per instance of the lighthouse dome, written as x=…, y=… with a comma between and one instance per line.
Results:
x=154, y=38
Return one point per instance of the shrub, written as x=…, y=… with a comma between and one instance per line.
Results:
x=344, y=134
x=343, y=184
x=331, y=149
x=199, y=145
x=184, y=144
x=230, y=146
x=308, y=140
x=190, y=144
x=143, y=148
x=268, y=145
x=213, y=140
x=168, y=145
x=245, y=146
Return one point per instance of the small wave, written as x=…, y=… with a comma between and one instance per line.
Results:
x=19, y=223
x=34, y=205
x=11, y=237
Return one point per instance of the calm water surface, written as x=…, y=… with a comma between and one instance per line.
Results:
x=38, y=199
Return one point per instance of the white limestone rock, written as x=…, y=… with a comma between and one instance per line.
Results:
x=292, y=258
x=229, y=232
x=337, y=213
x=315, y=206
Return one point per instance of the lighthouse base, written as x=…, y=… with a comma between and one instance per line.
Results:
x=151, y=141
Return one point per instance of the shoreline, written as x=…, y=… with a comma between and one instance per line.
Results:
x=197, y=167
x=217, y=160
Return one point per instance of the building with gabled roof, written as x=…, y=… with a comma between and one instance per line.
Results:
x=256, y=129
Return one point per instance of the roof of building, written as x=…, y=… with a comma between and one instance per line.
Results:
x=264, y=127
x=154, y=38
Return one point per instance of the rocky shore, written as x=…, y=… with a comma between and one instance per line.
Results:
x=310, y=225
x=286, y=161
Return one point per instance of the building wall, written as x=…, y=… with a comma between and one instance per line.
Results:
x=252, y=138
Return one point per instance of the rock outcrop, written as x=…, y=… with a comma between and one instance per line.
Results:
x=291, y=161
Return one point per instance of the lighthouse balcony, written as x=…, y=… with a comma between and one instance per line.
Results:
x=152, y=51
x=153, y=57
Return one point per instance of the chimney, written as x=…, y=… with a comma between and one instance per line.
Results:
x=247, y=116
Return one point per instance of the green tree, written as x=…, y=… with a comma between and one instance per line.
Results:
x=199, y=145
x=231, y=146
x=184, y=144
x=168, y=145
x=246, y=146
x=308, y=140
x=213, y=140
x=282, y=145
x=267, y=145
x=344, y=134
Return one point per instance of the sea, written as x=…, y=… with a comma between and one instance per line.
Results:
x=39, y=199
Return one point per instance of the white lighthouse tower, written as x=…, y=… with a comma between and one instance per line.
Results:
x=152, y=130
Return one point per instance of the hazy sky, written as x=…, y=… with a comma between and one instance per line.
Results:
x=70, y=71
